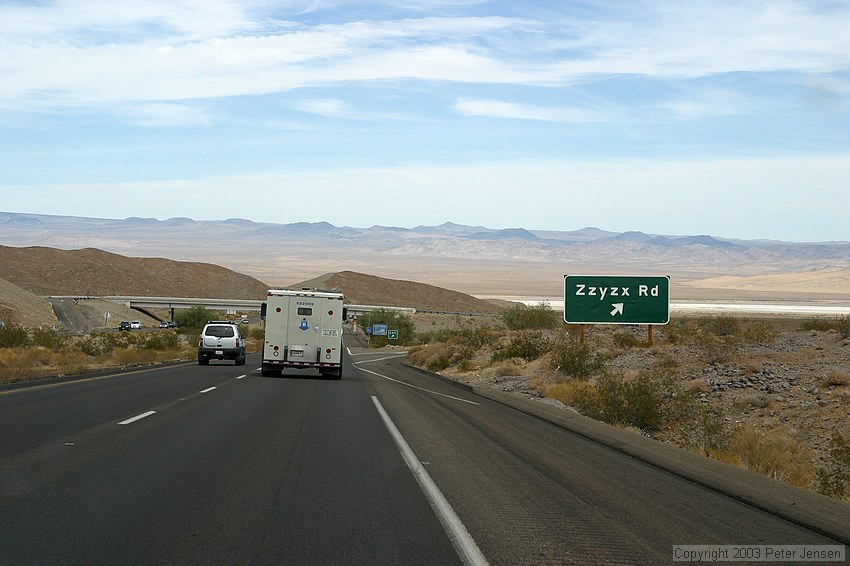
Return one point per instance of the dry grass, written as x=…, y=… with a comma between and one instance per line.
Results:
x=834, y=378
x=774, y=453
x=35, y=362
x=574, y=392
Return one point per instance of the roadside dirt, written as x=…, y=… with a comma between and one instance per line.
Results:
x=798, y=382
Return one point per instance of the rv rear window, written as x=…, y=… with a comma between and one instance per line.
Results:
x=305, y=311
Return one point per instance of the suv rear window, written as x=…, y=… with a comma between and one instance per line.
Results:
x=220, y=331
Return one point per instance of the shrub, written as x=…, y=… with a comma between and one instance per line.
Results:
x=695, y=425
x=193, y=319
x=817, y=325
x=720, y=325
x=626, y=340
x=834, y=378
x=758, y=332
x=474, y=338
x=92, y=346
x=526, y=345
x=436, y=356
x=521, y=317
x=48, y=338
x=573, y=358
x=161, y=341
x=576, y=392
x=13, y=337
x=833, y=479
x=395, y=320
x=616, y=400
x=635, y=402
x=679, y=332
x=843, y=326
x=501, y=370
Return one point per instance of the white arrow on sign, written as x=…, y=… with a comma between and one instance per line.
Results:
x=618, y=308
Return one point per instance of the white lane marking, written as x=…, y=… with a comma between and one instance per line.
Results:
x=460, y=537
x=390, y=357
x=410, y=384
x=241, y=376
x=208, y=389
x=137, y=418
x=371, y=354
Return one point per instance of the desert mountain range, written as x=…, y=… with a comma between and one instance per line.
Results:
x=474, y=260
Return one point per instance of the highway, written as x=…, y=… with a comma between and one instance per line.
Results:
x=217, y=465
x=68, y=314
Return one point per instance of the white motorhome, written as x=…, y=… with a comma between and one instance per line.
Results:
x=303, y=330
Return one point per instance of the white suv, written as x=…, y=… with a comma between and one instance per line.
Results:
x=221, y=340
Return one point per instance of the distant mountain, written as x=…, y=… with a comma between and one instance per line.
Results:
x=449, y=255
x=507, y=234
x=666, y=242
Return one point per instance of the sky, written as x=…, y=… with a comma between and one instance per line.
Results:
x=680, y=118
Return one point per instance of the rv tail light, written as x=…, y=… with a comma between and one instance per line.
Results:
x=330, y=313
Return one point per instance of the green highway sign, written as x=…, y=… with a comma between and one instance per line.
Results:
x=614, y=299
x=392, y=334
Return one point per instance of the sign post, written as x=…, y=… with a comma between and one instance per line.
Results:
x=615, y=299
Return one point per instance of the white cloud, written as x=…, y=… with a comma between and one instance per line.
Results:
x=514, y=110
x=329, y=107
x=712, y=102
x=156, y=115
x=72, y=52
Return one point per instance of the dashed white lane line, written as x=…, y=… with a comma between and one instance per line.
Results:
x=149, y=413
x=463, y=541
x=137, y=418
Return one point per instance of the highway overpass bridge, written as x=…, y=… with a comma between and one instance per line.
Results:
x=232, y=306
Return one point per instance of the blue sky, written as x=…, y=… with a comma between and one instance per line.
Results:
x=669, y=117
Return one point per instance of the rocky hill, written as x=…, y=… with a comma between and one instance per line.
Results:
x=362, y=289
x=93, y=272
x=22, y=308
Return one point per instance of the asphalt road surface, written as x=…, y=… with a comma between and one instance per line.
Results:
x=217, y=465
x=68, y=315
